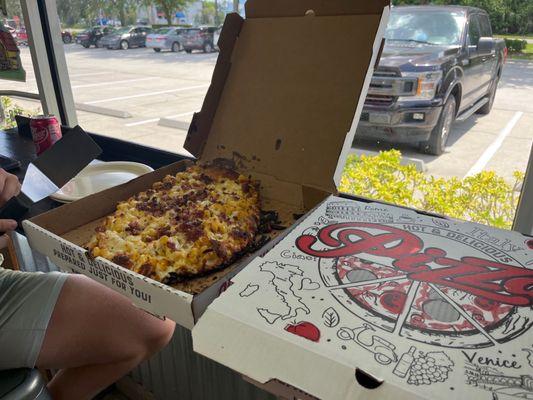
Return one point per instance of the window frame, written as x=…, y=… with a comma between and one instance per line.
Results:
x=473, y=21
x=44, y=33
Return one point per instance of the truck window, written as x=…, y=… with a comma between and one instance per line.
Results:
x=484, y=26
x=473, y=31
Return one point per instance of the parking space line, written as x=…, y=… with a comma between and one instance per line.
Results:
x=77, y=75
x=133, y=96
x=147, y=121
x=113, y=83
x=493, y=148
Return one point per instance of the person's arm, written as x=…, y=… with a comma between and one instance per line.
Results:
x=9, y=187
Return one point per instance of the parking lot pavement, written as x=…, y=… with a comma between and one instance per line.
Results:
x=160, y=91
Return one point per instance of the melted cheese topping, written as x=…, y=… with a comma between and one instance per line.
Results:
x=187, y=224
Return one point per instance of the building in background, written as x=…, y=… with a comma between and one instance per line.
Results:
x=193, y=14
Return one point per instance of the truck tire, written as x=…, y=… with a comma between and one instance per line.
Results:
x=439, y=135
x=492, y=94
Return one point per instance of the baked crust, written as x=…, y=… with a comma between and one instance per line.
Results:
x=187, y=225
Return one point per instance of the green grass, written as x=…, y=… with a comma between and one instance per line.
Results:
x=527, y=36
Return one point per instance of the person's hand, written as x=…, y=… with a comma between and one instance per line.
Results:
x=9, y=187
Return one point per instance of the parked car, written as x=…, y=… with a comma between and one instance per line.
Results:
x=439, y=64
x=66, y=36
x=92, y=37
x=199, y=39
x=165, y=39
x=21, y=36
x=124, y=38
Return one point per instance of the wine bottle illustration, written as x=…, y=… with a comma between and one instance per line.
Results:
x=405, y=362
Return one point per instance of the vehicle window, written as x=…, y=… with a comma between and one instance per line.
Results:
x=163, y=31
x=191, y=32
x=473, y=31
x=122, y=31
x=435, y=27
x=484, y=26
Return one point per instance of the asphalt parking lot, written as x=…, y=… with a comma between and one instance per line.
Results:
x=149, y=98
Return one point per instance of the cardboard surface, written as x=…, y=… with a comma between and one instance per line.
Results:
x=427, y=308
x=62, y=233
x=286, y=94
x=286, y=89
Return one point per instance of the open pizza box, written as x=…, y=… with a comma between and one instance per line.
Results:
x=285, y=98
x=369, y=301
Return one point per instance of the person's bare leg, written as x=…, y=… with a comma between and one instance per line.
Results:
x=96, y=336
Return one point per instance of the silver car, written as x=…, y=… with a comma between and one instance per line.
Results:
x=165, y=39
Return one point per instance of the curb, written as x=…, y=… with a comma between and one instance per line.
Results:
x=102, y=110
x=174, y=123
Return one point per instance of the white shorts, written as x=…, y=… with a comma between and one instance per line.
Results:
x=27, y=300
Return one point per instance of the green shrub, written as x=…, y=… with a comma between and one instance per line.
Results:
x=484, y=198
x=515, y=45
x=8, y=110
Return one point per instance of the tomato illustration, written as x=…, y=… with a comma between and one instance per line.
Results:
x=304, y=329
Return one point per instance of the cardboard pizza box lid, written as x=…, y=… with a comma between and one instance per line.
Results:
x=289, y=86
x=370, y=301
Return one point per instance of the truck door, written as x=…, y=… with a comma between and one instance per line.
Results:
x=490, y=61
x=135, y=36
x=474, y=85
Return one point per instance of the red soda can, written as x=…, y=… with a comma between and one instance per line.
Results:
x=45, y=131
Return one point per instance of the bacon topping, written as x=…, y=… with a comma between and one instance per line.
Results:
x=146, y=270
x=133, y=228
x=123, y=260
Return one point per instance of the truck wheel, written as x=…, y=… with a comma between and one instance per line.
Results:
x=124, y=45
x=492, y=94
x=439, y=135
x=176, y=47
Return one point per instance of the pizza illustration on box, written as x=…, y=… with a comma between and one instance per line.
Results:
x=391, y=278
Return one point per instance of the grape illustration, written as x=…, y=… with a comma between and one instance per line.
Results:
x=429, y=368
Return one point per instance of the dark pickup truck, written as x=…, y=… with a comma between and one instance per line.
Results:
x=439, y=64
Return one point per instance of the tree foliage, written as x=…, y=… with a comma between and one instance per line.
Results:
x=169, y=7
x=507, y=16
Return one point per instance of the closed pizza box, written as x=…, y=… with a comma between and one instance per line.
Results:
x=367, y=301
x=286, y=94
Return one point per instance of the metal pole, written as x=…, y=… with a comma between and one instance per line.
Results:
x=523, y=221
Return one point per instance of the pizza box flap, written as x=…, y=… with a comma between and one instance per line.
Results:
x=421, y=307
x=288, y=88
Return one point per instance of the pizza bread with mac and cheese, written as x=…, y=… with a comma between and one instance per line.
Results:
x=184, y=226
